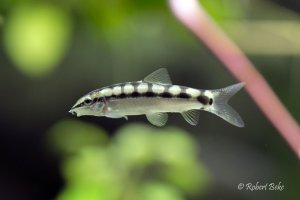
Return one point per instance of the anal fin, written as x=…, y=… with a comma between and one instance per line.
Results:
x=191, y=116
x=157, y=119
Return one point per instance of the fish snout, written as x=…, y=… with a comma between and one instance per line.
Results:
x=73, y=112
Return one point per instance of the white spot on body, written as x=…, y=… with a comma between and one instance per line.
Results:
x=106, y=92
x=158, y=88
x=175, y=90
x=208, y=94
x=193, y=92
x=117, y=90
x=128, y=89
x=142, y=88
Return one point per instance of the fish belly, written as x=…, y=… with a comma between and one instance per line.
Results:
x=141, y=106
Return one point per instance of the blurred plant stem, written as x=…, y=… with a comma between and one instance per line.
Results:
x=194, y=17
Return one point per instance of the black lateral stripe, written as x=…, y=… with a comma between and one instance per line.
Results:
x=203, y=99
x=132, y=95
x=166, y=95
x=149, y=94
x=184, y=96
x=122, y=96
x=135, y=94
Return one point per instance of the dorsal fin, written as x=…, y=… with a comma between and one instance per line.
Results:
x=191, y=116
x=157, y=119
x=160, y=76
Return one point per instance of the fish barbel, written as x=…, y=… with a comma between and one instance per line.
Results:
x=155, y=96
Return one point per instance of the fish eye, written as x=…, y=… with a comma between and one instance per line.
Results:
x=87, y=101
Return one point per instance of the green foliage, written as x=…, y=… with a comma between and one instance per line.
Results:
x=68, y=136
x=159, y=191
x=138, y=163
x=222, y=10
x=36, y=37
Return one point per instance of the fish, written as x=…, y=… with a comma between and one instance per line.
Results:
x=155, y=96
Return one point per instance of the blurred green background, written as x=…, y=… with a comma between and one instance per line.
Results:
x=53, y=52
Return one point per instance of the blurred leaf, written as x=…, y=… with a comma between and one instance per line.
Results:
x=70, y=136
x=223, y=9
x=91, y=173
x=91, y=165
x=134, y=144
x=103, y=15
x=36, y=37
x=191, y=177
x=159, y=191
x=123, y=167
x=84, y=191
x=176, y=149
x=174, y=146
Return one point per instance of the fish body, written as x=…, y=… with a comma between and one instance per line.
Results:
x=155, y=96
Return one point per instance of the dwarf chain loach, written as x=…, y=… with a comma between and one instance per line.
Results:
x=155, y=96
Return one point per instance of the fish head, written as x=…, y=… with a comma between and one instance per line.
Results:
x=88, y=105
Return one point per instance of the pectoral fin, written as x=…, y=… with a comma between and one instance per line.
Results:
x=191, y=116
x=157, y=119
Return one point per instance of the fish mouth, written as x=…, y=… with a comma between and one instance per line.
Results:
x=73, y=112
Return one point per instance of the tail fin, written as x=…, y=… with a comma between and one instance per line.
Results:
x=222, y=109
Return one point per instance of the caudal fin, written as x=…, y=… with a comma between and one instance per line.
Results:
x=222, y=109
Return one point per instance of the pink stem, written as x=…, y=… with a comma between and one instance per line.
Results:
x=193, y=16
